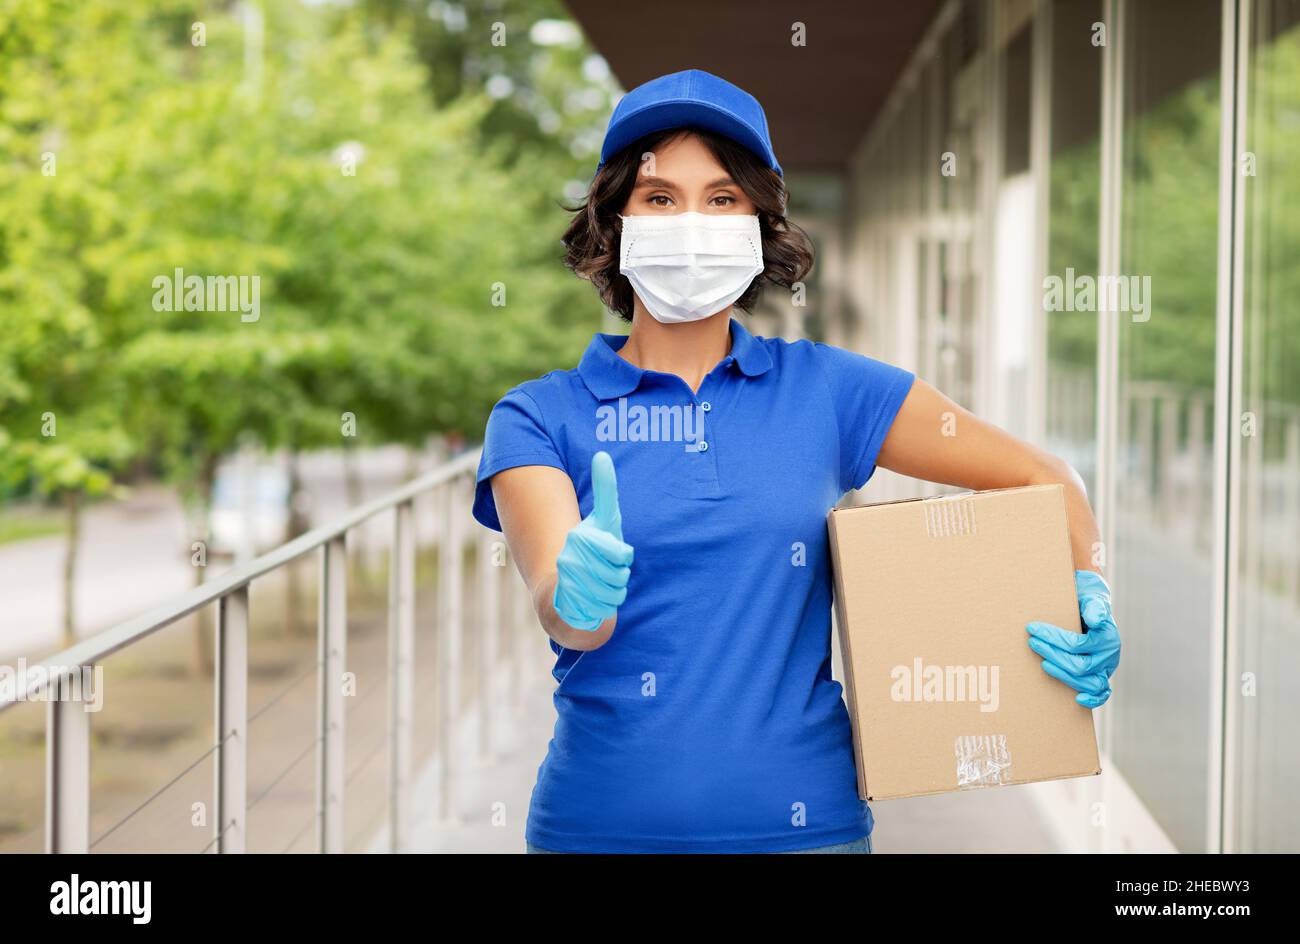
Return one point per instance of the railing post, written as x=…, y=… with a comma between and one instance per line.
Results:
x=67, y=774
x=332, y=651
x=489, y=587
x=1146, y=437
x=449, y=590
x=1200, y=465
x=231, y=716
x=506, y=644
x=1166, y=499
x=1291, y=508
x=401, y=674
x=520, y=638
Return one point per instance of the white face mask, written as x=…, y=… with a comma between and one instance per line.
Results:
x=690, y=265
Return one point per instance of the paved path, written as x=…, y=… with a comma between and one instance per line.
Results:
x=134, y=554
x=492, y=801
x=491, y=794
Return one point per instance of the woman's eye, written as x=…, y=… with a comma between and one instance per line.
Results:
x=724, y=200
x=660, y=200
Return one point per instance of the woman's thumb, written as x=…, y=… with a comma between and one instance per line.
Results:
x=604, y=490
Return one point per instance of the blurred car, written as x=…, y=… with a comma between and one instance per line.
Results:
x=250, y=509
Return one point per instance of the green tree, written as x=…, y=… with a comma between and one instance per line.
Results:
x=406, y=260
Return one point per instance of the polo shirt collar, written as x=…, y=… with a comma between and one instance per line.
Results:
x=609, y=376
x=750, y=354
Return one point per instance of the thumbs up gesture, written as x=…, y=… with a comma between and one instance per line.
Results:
x=594, y=565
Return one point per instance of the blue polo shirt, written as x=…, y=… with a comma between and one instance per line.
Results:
x=709, y=721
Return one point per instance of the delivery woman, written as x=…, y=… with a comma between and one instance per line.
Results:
x=666, y=504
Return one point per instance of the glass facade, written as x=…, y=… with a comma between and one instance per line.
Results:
x=994, y=168
x=1164, y=472
x=1074, y=187
x=1262, y=691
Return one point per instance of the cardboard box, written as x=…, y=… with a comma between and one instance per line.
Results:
x=932, y=596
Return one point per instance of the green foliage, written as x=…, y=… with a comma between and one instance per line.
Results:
x=1072, y=225
x=1271, y=348
x=382, y=222
x=1170, y=233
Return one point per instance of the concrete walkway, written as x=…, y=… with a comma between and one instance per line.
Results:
x=491, y=794
x=135, y=554
x=492, y=800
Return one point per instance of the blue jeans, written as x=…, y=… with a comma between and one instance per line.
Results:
x=856, y=847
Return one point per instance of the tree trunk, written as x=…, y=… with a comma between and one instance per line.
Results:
x=356, y=559
x=298, y=526
x=351, y=476
x=204, y=617
x=72, y=533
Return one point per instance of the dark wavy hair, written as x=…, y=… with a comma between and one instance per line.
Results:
x=591, y=242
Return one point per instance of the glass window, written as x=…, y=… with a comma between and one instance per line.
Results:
x=1073, y=214
x=959, y=272
x=1009, y=323
x=1268, y=560
x=1164, y=310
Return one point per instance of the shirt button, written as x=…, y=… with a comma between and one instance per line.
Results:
x=702, y=447
x=706, y=406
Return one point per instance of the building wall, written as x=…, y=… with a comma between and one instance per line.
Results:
x=1156, y=141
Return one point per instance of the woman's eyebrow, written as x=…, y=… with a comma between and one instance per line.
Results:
x=654, y=182
x=669, y=185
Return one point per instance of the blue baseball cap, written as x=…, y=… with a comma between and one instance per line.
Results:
x=690, y=99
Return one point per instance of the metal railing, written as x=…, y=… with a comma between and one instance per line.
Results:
x=1166, y=469
x=68, y=735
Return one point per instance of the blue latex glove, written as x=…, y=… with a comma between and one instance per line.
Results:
x=595, y=563
x=1084, y=661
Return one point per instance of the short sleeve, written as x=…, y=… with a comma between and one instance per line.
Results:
x=867, y=395
x=516, y=435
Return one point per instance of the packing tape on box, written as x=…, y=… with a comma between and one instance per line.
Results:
x=948, y=517
x=982, y=760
